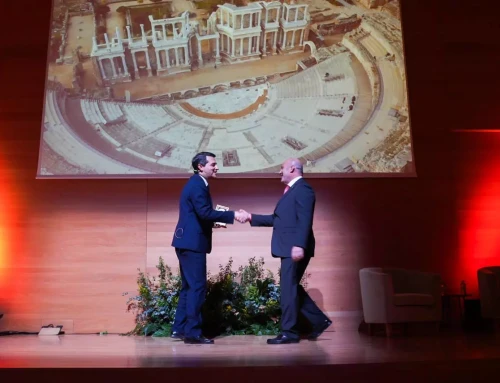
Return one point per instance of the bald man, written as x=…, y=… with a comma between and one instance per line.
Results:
x=293, y=242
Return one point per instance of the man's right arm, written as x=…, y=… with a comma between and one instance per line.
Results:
x=261, y=220
x=203, y=209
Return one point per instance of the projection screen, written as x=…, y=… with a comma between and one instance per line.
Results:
x=137, y=88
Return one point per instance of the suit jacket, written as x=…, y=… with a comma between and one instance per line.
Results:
x=292, y=221
x=196, y=217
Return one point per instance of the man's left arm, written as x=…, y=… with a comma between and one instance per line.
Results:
x=304, y=202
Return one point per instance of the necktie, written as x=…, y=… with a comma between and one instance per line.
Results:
x=286, y=189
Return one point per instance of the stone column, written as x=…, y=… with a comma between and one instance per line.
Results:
x=250, y=25
x=257, y=47
x=118, y=37
x=186, y=57
x=158, y=62
x=241, y=40
x=153, y=32
x=284, y=40
x=200, y=56
x=147, y=60
x=112, y=59
x=176, y=57
x=274, y=41
x=135, y=64
x=264, y=45
x=217, y=53
x=259, y=17
x=293, y=39
x=266, y=15
x=129, y=19
x=103, y=73
x=125, y=69
x=144, y=39
x=167, y=57
x=107, y=40
x=302, y=37
x=249, y=45
x=232, y=52
x=296, y=13
x=164, y=32
x=129, y=35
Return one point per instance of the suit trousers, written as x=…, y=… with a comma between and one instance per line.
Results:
x=294, y=298
x=188, y=319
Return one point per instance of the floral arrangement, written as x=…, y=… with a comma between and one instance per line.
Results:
x=239, y=302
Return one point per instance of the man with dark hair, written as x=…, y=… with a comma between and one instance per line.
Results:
x=293, y=242
x=192, y=241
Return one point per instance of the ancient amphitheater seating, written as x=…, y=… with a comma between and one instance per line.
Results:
x=221, y=137
x=52, y=113
x=149, y=146
x=74, y=151
x=124, y=132
x=182, y=133
x=291, y=110
x=147, y=117
x=295, y=110
x=90, y=109
x=111, y=111
x=62, y=141
x=55, y=164
x=179, y=157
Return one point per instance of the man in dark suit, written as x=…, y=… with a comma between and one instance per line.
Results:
x=293, y=241
x=192, y=241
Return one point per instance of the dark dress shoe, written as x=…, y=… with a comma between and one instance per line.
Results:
x=318, y=330
x=283, y=339
x=176, y=335
x=198, y=340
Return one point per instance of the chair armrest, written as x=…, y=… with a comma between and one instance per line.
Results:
x=376, y=294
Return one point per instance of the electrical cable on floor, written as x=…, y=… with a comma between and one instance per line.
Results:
x=5, y=333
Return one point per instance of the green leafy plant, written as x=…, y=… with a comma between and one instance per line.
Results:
x=155, y=305
x=245, y=301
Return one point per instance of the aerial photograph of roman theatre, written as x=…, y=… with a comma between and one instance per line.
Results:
x=137, y=88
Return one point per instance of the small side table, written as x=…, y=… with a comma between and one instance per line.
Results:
x=449, y=300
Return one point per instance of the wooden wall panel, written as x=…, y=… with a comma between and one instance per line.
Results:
x=83, y=244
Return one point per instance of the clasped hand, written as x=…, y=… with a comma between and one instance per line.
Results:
x=242, y=216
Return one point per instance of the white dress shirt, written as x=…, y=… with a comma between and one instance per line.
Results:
x=204, y=180
x=290, y=184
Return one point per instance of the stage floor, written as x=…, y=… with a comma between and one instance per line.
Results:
x=333, y=348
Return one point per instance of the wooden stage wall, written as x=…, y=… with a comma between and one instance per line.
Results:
x=70, y=248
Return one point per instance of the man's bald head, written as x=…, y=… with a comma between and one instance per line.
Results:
x=291, y=169
x=295, y=162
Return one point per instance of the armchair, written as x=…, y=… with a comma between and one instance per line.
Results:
x=489, y=292
x=392, y=295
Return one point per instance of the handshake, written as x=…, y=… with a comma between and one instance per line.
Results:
x=242, y=216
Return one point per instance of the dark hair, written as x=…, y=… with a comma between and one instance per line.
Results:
x=200, y=159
